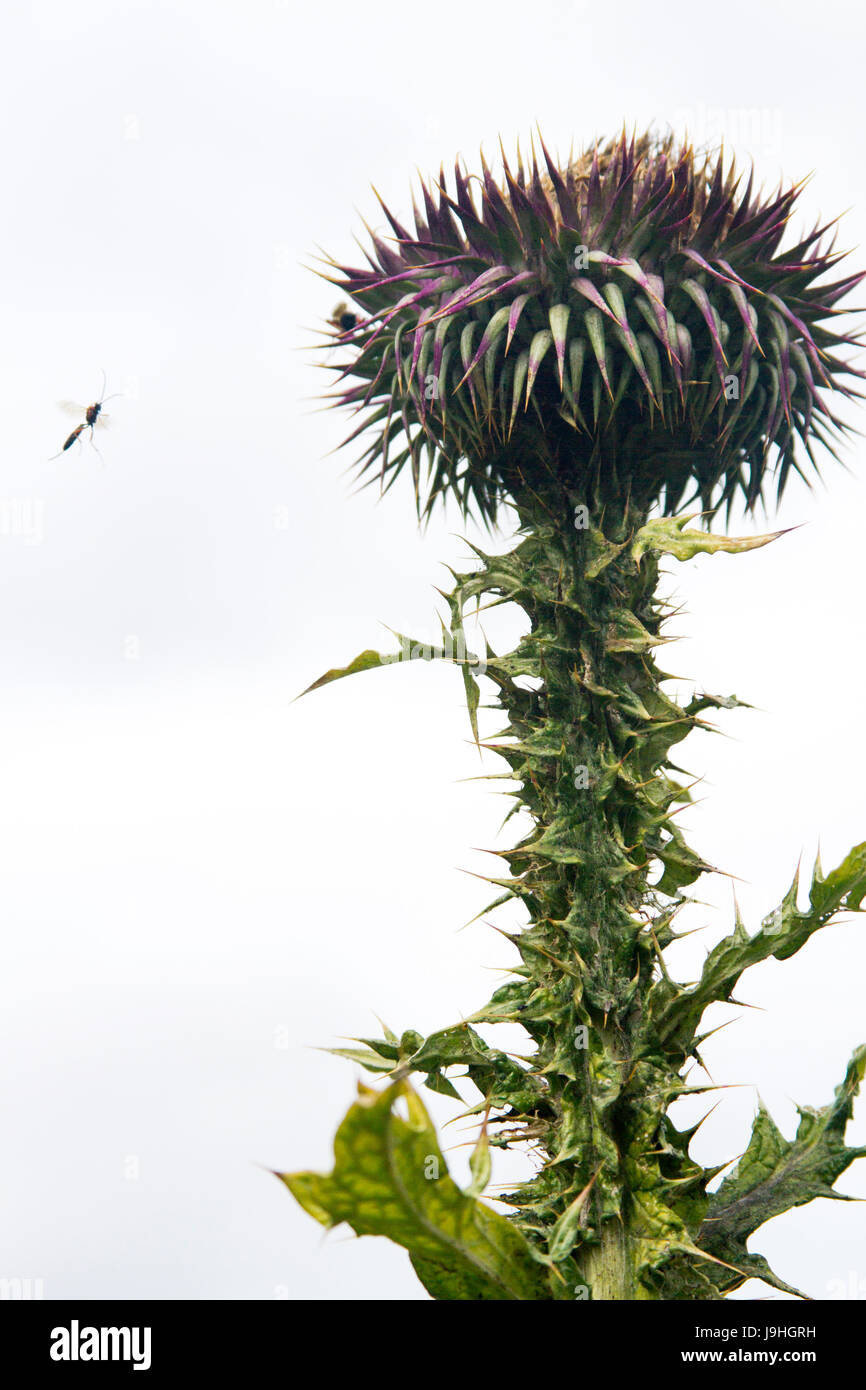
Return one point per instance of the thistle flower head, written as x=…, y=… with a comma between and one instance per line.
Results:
x=628, y=325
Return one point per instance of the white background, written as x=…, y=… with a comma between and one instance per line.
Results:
x=201, y=881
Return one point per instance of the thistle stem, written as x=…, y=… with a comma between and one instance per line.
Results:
x=589, y=746
x=609, y=1266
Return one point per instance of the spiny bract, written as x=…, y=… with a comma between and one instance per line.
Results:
x=628, y=325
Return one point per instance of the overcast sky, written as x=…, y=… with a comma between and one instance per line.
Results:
x=201, y=881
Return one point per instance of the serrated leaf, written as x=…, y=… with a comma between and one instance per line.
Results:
x=675, y=1010
x=383, y=1184
x=847, y=882
x=410, y=650
x=682, y=865
x=698, y=703
x=365, y=1057
x=667, y=535
x=775, y=1175
x=452, y=1047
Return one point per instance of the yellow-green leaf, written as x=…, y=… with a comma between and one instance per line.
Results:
x=390, y=1179
x=480, y=1164
x=667, y=534
x=410, y=650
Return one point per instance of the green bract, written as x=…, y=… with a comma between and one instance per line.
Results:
x=688, y=350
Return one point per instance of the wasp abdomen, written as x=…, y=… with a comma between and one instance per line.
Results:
x=72, y=438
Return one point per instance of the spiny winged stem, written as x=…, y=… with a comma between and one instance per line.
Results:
x=588, y=738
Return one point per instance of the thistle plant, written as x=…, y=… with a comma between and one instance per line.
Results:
x=600, y=347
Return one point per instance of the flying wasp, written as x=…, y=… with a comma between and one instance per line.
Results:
x=93, y=415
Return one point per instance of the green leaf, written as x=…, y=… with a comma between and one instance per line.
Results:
x=390, y=1179
x=458, y=639
x=367, y=661
x=699, y=703
x=775, y=1175
x=600, y=551
x=566, y=1232
x=626, y=633
x=847, y=884
x=371, y=1061
x=410, y=650
x=675, y=1010
x=752, y=1266
x=682, y=865
x=450, y=1047
x=666, y=534
x=480, y=1165
x=437, y=1081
